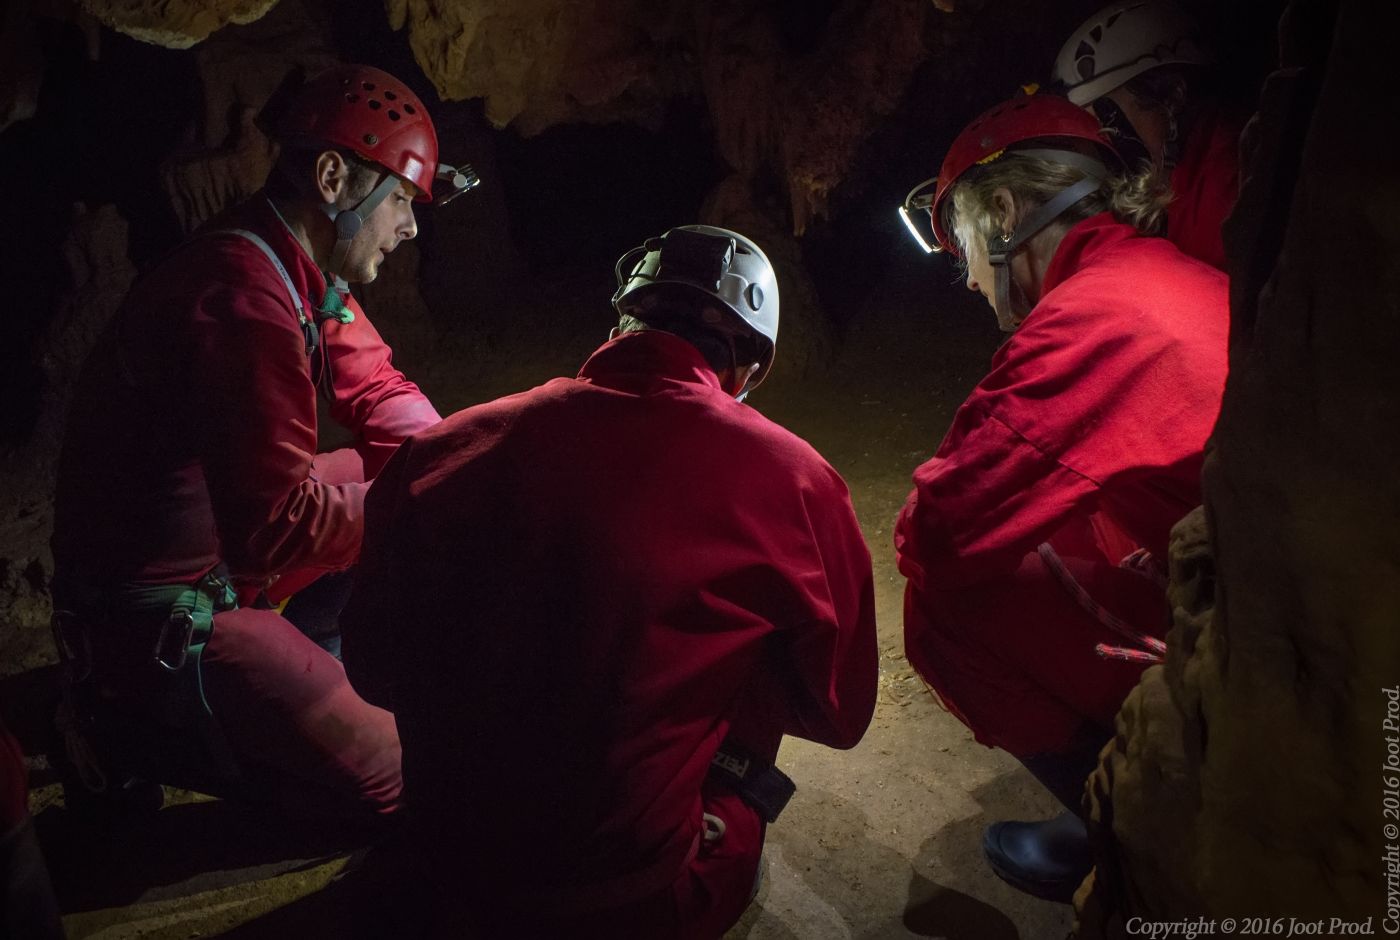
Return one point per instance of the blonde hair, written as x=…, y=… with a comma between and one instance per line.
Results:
x=1139, y=199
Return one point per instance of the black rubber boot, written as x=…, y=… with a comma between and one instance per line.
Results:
x=1050, y=859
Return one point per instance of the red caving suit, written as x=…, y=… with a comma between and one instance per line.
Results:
x=1088, y=433
x=1206, y=182
x=27, y=905
x=570, y=597
x=191, y=441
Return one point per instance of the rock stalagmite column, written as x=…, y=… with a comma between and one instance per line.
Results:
x=1247, y=776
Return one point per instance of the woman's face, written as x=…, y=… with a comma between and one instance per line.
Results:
x=977, y=269
x=980, y=276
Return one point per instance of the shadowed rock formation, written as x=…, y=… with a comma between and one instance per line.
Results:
x=178, y=24
x=1245, y=778
x=98, y=272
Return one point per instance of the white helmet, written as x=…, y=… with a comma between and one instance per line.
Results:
x=1121, y=42
x=716, y=262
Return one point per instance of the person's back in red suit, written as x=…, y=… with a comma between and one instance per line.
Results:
x=1088, y=434
x=1082, y=445
x=573, y=597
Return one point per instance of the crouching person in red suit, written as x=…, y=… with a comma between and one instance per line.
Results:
x=1142, y=67
x=27, y=905
x=1079, y=449
x=191, y=496
x=596, y=607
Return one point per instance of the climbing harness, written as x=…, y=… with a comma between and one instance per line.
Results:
x=331, y=307
x=186, y=613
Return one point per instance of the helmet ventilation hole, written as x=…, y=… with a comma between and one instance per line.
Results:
x=367, y=86
x=351, y=97
x=389, y=95
x=374, y=104
x=408, y=109
x=393, y=115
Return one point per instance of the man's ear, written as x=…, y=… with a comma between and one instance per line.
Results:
x=742, y=376
x=1006, y=209
x=332, y=173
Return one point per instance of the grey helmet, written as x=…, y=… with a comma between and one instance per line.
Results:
x=1122, y=41
x=718, y=263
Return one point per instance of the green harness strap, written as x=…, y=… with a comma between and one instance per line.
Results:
x=189, y=623
x=185, y=615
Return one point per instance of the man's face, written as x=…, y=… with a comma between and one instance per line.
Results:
x=1151, y=124
x=390, y=223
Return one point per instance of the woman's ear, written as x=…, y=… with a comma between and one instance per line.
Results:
x=1006, y=209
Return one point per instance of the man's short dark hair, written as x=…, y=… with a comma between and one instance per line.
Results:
x=293, y=174
x=723, y=349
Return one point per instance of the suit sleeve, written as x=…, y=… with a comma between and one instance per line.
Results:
x=986, y=499
x=373, y=400
x=253, y=413
x=834, y=652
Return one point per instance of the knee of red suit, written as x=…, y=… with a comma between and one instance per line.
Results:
x=285, y=703
x=1016, y=660
x=14, y=783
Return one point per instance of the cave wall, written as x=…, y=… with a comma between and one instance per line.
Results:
x=1246, y=775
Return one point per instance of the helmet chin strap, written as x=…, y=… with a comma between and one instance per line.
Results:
x=348, y=223
x=1001, y=248
x=1171, y=147
x=1001, y=304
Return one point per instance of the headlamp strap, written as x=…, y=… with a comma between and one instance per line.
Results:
x=1001, y=249
x=1002, y=304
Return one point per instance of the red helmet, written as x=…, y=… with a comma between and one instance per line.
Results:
x=371, y=113
x=1027, y=116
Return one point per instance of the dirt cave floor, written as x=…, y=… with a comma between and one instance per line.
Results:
x=880, y=841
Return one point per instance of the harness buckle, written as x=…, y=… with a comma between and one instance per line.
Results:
x=172, y=647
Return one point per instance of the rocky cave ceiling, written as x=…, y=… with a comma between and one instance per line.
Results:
x=794, y=90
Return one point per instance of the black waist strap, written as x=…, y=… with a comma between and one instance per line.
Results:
x=758, y=782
